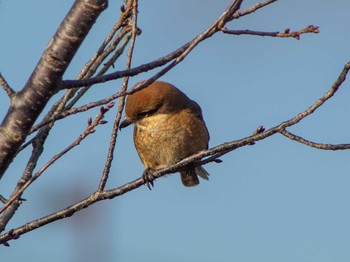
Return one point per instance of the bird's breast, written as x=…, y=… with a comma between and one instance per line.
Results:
x=164, y=139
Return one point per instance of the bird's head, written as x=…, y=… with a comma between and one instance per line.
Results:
x=157, y=98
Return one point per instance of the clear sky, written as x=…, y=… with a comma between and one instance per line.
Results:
x=274, y=201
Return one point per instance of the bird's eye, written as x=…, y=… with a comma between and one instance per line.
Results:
x=147, y=113
x=143, y=114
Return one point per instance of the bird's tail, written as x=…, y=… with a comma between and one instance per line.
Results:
x=190, y=177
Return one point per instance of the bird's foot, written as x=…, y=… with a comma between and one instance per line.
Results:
x=148, y=178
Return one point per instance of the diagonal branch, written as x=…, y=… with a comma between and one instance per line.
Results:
x=137, y=70
x=226, y=16
x=177, y=55
x=46, y=77
x=252, y=9
x=108, y=46
x=88, y=131
x=113, y=139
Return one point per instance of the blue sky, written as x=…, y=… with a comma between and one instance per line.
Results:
x=274, y=201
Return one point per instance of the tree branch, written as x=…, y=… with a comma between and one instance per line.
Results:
x=89, y=130
x=66, y=111
x=44, y=81
x=286, y=33
x=313, y=144
x=3, y=83
x=143, y=68
x=115, y=129
x=108, y=46
x=252, y=9
x=177, y=55
x=185, y=49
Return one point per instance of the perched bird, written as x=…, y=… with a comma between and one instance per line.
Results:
x=168, y=128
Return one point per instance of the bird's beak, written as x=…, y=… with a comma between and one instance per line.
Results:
x=126, y=122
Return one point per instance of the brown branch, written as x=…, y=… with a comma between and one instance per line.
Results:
x=185, y=49
x=44, y=82
x=143, y=68
x=252, y=9
x=286, y=33
x=104, y=101
x=67, y=109
x=313, y=144
x=177, y=55
x=112, y=144
x=126, y=35
x=101, y=52
x=211, y=155
x=89, y=130
x=108, y=46
x=38, y=148
x=3, y=83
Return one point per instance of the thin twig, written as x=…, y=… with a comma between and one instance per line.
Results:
x=90, y=68
x=114, y=134
x=107, y=65
x=286, y=33
x=215, y=27
x=106, y=48
x=252, y=9
x=178, y=55
x=313, y=144
x=89, y=130
x=125, y=14
x=3, y=83
x=3, y=199
x=68, y=111
x=38, y=148
x=143, y=68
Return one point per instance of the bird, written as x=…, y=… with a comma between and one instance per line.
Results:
x=168, y=127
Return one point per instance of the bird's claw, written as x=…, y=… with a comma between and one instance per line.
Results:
x=148, y=178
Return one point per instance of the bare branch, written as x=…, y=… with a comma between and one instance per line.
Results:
x=89, y=130
x=38, y=148
x=286, y=33
x=3, y=83
x=166, y=59
x=126, y=35
x=313, y=144
x=178, y=55
x=67, y=109
x=44, y=81
x=113, y=140
x=226, y=16
x=340, y=80
x=143, y=68
x=38, y=141
x=252, y=9
x=126, y=12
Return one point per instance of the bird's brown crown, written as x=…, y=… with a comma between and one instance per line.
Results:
x=159, y=97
